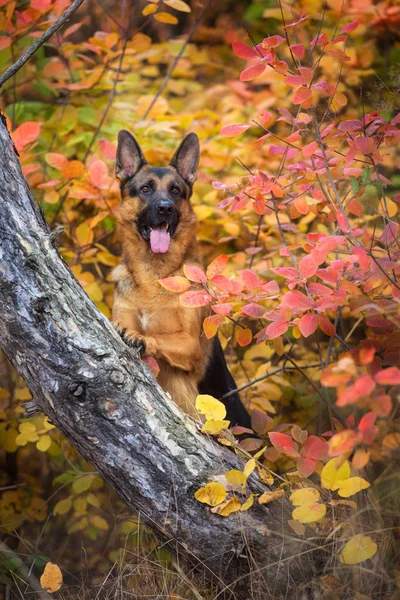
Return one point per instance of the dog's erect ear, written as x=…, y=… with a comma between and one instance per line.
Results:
x=186, y=158
x=130, y=157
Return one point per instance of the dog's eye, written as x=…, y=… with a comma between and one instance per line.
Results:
x=145, y=189
x=175, y=190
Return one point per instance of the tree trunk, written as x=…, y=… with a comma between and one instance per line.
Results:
x=108, y=405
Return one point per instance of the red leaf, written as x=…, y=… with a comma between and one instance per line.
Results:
x=309, y=149
x=108, y=149
x=195, y=299
x=315, y=448
x=295, y=80
x=326, y=326
x=273, y=41
x=253, y=310
x=216, y=266
x=194, y=274
x=286, y=272
x=231, y=286
x=243, y=50
x=308, y=324
x=362, y=387
x=234, y=129
x=301, y=95
x=98, y=174
x=41, y=5
x=367, y=427
x=276, y=329
x=252, y=72
x=243, y=336
x=308, y=266
x=222, y=309
x=306, y=466
x=296, y=300
x=250, y=279
x=298, y=50
x=25, y=134
x=389, y=376
x=284, y=444
x=5, y=41
x=350, y=27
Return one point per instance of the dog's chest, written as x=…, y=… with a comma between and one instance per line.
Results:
x=144, y=320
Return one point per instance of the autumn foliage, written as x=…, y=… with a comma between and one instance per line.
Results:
x=297, y=203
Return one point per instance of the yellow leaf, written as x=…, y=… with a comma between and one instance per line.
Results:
x=62, y=507
x=387, y=207
x=265, y=475
x=213, y=494
x=249, y=467
x=229, y=507
x=80, y=505
x=359, y=548
x=73, y=169
x=268, y=497
x=334, y=474
x=305, y=496
x=99, y=523
x=82, y=484
x=47, y=426
x=164, y=17
x=149, y=9
x=51, y=579
x=210, y=407
x=178, y=5
x=249, y=503
x=352, y=486
x=308, y=513
x=44, y=443
x=93, y=500
x=236, y=477
x=214, y=427
x=51, y=197
x=84, y=234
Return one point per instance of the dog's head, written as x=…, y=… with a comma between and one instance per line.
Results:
x=156, y=199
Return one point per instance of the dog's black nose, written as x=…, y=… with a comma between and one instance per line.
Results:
x=165, y=207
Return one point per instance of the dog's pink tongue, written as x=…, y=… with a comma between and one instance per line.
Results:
x=160, y=238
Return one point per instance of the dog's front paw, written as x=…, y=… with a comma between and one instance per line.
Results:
x=135, y=342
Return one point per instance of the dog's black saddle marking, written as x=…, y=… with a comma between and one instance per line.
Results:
x=218, y=381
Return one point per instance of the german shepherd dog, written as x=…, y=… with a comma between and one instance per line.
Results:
x=157, y=228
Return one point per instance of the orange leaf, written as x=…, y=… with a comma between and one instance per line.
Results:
x=217, y=266
x=194, y=274
x=58, y=161
x=73, y=169
x=176, y=284
x=243, y=336
x=301, y=95
x=25, y=134
x=211, y=324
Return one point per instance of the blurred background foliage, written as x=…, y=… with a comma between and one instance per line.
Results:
x=104, y=71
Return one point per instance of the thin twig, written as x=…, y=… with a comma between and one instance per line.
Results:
x=177, y=58
x=11, y=71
